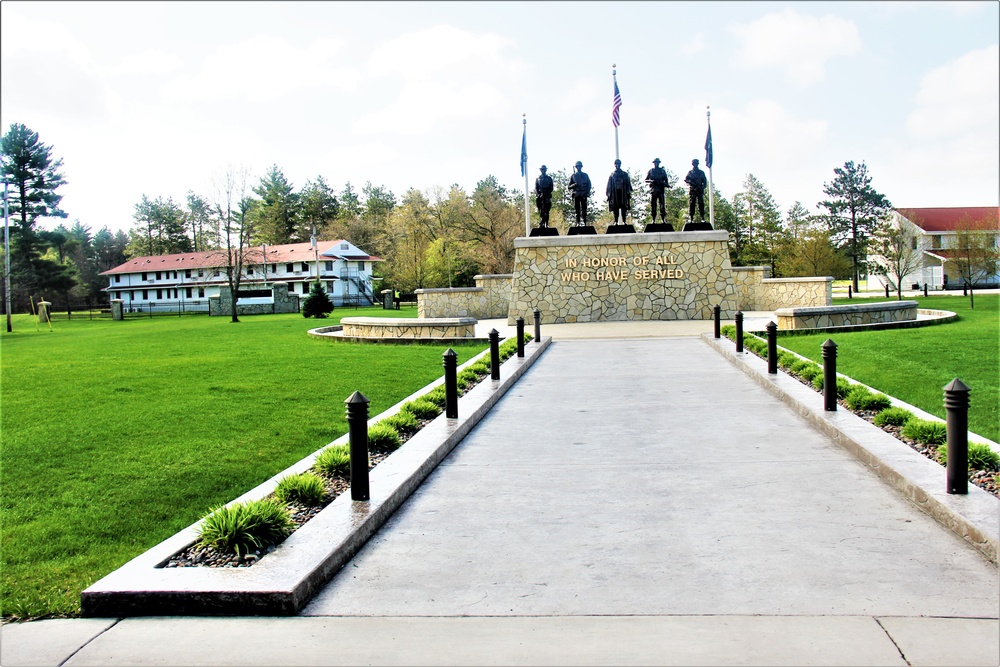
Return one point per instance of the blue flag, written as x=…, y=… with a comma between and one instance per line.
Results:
x=708, y=148
x=524, y=151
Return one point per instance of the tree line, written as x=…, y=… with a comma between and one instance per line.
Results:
x=441, y=237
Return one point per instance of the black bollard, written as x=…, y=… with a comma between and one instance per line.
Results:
x=739, y=331
x=956, y=404
x=830, y=376
x=450, y=384
x=925, y=289
x=887, y=290
x=718, y=325
x=850, y=294
x=520, y=337
x=357, y=428
x=494, y=354
x=538, y=326
x=772, y=348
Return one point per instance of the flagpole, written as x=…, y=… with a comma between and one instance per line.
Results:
x=711, y=195
x=614, y=78
x=524, y=159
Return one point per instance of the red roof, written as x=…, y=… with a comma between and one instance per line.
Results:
x=950, y=219
x=276, y=254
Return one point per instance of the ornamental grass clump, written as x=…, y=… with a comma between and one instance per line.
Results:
x=437, y=396
x=382, y=438
x=926, y=432
x=421, y=408
x=857, y=396
x=306, y=488
x=981, y=456
x=334, y=461
x=404, y=422
x=786, y=359
x=892, y=417
x=242, y=527
x=809, y=371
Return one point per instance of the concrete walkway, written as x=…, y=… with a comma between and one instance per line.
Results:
x=632, y=500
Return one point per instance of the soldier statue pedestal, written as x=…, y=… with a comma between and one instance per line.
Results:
x=621, y=228
x=698, y=227
x=659, y=227
x=581, y=229
x=544, y=231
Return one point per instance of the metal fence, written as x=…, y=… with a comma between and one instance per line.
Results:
x=81, y=311
x=175, y=308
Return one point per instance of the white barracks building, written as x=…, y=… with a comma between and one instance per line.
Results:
x=185, y=281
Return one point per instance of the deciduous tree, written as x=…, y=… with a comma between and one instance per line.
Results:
x=975, y=256
x=894, y=249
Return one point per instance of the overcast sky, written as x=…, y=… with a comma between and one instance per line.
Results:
x=158, y=98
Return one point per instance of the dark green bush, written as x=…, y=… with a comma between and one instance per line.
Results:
x=437, y=396
x=797, y=366
x=786, y=359
x=470, y=376
x=875, y=402
x=335, y=461
x=843, y=387
x=317, y=303
x=927, y=432
x=382, y=438
x=981, y=456
x=893, y=417
x=856, y=395
x=306, y=488
x=810, y=371
x=421, y=408
x=403, y=422
x=242, y=527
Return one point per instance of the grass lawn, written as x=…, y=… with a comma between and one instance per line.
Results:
x=914, y=365
x=115, y=435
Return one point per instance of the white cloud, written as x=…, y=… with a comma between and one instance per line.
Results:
x=150, y=62
x=799, y=44
x=420, y=105
x=265, y=68
x=443, y=49
x=694, y=46
x=958, y=97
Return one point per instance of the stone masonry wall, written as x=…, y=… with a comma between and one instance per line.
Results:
x=850, y=314
x=283, y=302
x=408, y=328
x=621, y=277
x=489, y=299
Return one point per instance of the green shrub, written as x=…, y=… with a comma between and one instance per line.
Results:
x=480, y=368
x=470, y=376
x=926, y=432
x=728, y=330
x=810, y=371
x=306, y=488
x=462, y=383
x=403, y=422
x=893, y=417
x=981, y=456
x=797, y=366
x=843, y=387
x=317, y=303
x=382, y=438
x=874, y=402
x=242, y=527
x=856, y=395
x=437, y=396
x=786, y=359
x=817, y=382
x=421, y=408
x=335, y=461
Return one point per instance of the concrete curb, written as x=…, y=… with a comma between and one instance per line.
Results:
x=284, y=581
x=974, y=517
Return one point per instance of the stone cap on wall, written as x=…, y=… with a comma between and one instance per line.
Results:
x=495, y=276
x=812, y=279
x=847, y=308
x=619, y=239
x=449, y=290
x=409, y=321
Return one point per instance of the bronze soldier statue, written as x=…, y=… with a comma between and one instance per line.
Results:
x=619, y=193
x=543, y=196
x=658, y=183
x=579, y=184
x=697, y=182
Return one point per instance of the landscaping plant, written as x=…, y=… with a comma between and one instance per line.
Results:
x=306, y=488
x=242, y=527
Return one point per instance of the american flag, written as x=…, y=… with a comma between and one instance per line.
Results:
x=616, y=105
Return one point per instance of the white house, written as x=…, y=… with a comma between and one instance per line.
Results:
x=186, y=280
x=936, y=238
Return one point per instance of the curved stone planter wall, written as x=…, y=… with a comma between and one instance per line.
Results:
x=432, y=328
x=489, y=299
x=851, y=314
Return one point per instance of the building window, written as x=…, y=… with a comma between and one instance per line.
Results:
x=936, y=241
x=144, y=275
x=201, y=273
x=145, y=295
x=289, y=268
x=217, y=273
x=328, y=266
x=343, y=246
x=159, y=294
x=188, y=292
x=131, y=295
x=914, y=243
x=361, y=266
x=201, y=292
x=329, y=287
x=249, y=270
x=157, y=275
x=305, y=267
x=118, y=279
x=187, y=273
